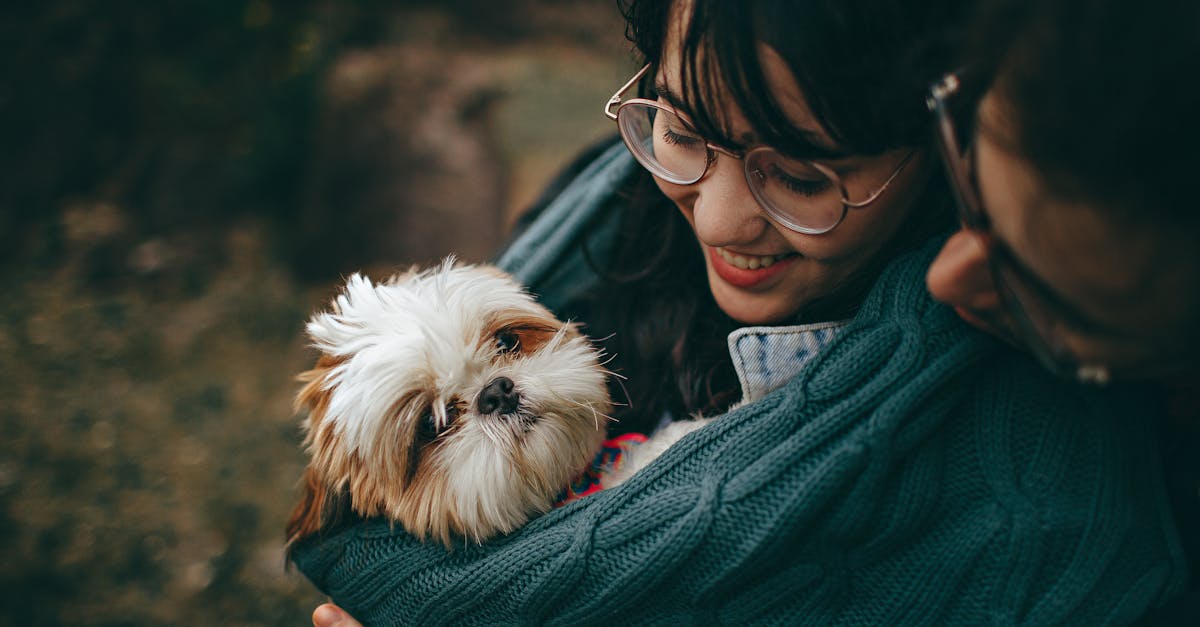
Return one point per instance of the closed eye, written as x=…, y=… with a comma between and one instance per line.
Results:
x=671, y=138
x=804, y=187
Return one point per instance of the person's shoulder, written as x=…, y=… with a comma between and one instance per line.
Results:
x=561, y=242
x=564, y=177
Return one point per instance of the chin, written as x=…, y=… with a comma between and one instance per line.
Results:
x=448, y=401
x=750, y=308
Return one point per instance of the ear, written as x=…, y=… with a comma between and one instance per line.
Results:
x=961, y=276
x=314, y=396
x=321, y=508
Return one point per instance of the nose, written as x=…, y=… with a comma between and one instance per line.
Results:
x=960, y=275
x=499, y=395
x=724, y=209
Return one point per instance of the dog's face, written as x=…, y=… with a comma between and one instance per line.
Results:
x=449, y=401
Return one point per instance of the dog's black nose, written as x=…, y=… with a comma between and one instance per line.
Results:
x=499, y=395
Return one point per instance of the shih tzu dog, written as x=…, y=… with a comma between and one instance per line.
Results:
x=447, y=400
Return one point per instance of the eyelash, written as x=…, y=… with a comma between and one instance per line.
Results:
x=672, y=138
x=799, y=186
x=795, y=185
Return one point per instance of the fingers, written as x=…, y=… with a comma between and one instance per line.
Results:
x=330, y=615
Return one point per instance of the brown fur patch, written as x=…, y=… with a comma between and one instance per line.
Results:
x=532, y=331
x=321, y=508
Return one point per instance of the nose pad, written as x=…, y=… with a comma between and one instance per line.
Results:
x=499, y=395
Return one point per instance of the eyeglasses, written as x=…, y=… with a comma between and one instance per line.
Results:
x=801, y=195
x=1038, y=319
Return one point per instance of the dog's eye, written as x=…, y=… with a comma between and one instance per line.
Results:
x=429, y=427
x=507, y=341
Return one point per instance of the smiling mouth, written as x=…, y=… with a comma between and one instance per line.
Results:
x=750, y=262
x=748, y=271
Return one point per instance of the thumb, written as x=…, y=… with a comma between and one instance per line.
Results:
x=330, y=615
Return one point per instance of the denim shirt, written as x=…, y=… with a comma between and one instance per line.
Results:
x=767, y=357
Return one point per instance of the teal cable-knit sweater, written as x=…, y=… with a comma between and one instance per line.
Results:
x=914, y=472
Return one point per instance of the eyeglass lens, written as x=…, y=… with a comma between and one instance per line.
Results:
x=792, y=191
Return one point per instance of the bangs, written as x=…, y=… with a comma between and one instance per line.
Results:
x=863, y=67
x=725, y=33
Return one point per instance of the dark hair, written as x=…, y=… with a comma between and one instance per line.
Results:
x=1099, y=98
x=864, y=66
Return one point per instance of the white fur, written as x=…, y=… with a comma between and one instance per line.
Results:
x=425, y=336
x=418, y=333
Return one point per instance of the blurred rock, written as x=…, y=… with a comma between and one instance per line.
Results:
x=404, y=167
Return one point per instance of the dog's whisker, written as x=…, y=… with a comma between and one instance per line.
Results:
x=604, y=361
x=624, y=390
x=496, y=433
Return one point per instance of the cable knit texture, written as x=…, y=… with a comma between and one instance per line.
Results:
x=914, y=472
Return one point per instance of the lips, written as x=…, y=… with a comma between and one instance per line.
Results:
x=747, y=271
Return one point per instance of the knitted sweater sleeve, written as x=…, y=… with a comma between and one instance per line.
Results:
x=914, y=472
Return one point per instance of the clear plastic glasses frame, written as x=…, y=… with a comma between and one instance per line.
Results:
x=759, y=162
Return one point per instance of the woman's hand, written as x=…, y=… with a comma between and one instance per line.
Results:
x=330, y=615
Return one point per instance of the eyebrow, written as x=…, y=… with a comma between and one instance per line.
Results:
x=812, y=138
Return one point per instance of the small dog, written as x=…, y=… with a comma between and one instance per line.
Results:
x=447, y=400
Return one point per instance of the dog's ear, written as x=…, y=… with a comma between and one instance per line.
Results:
x=314, y=396
x=321, y=508
x=307, y=517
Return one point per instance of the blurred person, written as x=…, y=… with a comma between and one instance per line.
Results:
x=1074, y=174
x=889, y=464
x=1070, y=137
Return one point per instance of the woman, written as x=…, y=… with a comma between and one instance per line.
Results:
x=891, y=465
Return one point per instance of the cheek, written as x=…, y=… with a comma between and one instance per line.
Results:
x=682, y=196
x=672, y=191
x=866, y=229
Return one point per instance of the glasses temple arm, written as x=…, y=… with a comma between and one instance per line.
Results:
x=616, y=98
x=870, y=199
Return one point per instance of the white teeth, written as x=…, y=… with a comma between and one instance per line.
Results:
x=751, y=263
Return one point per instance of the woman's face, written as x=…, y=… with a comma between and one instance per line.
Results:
x=790, y=269
x=1108, y=293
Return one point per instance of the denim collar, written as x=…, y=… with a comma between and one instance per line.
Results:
x=767, y=357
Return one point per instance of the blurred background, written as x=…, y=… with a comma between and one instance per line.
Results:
x=181, y=184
